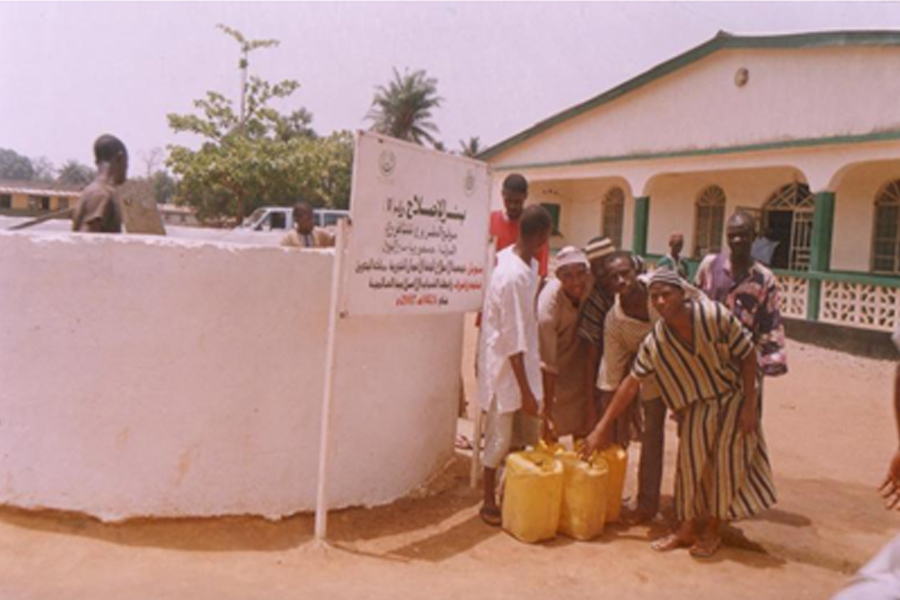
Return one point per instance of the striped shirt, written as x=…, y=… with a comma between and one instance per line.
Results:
x=706, y=371
x=593, y=317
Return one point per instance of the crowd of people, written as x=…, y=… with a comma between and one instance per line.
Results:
x=569, y=355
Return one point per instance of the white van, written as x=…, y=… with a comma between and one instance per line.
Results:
x=277, y=218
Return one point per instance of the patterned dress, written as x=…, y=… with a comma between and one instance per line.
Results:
x=720, y=472
x=754, y=301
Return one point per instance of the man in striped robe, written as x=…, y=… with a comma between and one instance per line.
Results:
x=704, y=362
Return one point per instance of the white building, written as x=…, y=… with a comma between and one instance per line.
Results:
x=802, y=130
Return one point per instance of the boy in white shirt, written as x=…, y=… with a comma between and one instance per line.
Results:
x=510, y=383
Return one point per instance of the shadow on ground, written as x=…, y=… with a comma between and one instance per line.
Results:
x=443, y=522
x=446, y=499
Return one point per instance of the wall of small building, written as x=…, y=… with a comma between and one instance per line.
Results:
x=159, y=377
x=22, y=201
x=581, y=208
x=818, y=92
x=673, y=200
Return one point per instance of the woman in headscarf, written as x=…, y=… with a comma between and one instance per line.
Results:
x=705, y=364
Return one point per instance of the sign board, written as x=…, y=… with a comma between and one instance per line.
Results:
x=141, y=215
x=419, y=240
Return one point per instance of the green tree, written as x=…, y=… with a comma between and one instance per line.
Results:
x=403, y=108
x=75, y=174
x=256, y=156
x=15, y=166
x=472, y=147
x=164, y=186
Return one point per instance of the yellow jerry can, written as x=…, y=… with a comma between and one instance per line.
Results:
x=617, y=462
x=585, y=492
x=553, y=448
x=532, y=496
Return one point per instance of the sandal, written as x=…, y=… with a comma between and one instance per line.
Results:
x=491, y=516
x=463, y=443
x=669, y=543
x=706, y=548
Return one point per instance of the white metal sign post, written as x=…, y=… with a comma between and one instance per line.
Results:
x=328, y=393
x=418, y=245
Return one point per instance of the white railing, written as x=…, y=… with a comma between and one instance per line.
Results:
x=860, y=305
x=793, y=293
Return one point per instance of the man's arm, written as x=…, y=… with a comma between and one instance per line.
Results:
x=548, y=327
x=772, y=359
x=592, y=365
x=529, y=402
x=890, y=489
x=599, y=437
x=549, y=380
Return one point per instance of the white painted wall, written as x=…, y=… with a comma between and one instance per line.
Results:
x=159, y=377
x=791, y=94
x=854, y=214
x=673, y=200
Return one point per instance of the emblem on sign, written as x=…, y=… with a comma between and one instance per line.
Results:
x=387, y=162
x=469, y=183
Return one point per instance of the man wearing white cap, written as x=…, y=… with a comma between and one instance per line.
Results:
x=563, y=352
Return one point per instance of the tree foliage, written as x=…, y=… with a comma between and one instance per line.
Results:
x=164, y=186
x=15, y=166
x=44, y=171
x=256, y=156
x=472, y=147
x=75, y=174
x=402, y=109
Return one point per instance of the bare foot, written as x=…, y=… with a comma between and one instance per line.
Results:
x=706, y=546
x=671, y=542
x=491, y=515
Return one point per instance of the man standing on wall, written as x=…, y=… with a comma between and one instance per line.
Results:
x=98, y=208
x=305, y=233
x=750, y=292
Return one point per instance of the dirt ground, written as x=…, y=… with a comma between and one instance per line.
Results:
x=830, y=432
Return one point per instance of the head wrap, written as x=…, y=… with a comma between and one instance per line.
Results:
x=668, y=277
x=599, y=247
x=570, y=255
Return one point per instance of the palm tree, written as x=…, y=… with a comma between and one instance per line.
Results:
x=472, y=148
x=403, y=108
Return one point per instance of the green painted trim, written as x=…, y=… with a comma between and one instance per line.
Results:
x=880, y=136
x=722, y=40
x=813, y=298
x=823, y=228
x=641, y=225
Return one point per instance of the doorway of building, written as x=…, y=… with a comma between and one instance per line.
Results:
x=787, y=218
